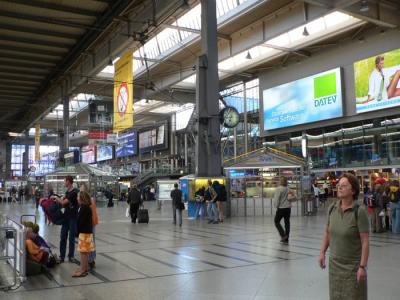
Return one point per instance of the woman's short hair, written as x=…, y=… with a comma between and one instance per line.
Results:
x=283, y=181
x=355, y=184
x=84, y=197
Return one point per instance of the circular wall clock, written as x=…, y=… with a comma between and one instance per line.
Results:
x=229, y=117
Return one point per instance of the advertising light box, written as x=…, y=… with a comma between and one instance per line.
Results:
x=88, y=154
x=311, y=99
x=104, y=153
x=127, y=144
x=377, y=82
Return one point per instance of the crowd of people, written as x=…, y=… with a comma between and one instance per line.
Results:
x=78, y=220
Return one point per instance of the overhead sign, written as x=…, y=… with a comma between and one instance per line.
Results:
x=377, y=82
x=311, y=99
x=127, y=144
x=37, y=142
x=98, y=137
x=112, y=138
x=123, y=93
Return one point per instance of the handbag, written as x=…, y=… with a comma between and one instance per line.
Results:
x=182, y=206
x=127, y=212
x=292, y=196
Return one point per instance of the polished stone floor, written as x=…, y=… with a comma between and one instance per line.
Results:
x=239, y=259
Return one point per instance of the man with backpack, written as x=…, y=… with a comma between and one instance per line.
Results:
x=134, y=201
x=177, y=204
x=69, y=226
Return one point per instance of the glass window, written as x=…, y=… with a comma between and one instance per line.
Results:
x=375, y=149
x=392, y=138
x=353, y=145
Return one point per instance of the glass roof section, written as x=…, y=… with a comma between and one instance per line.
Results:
x=77, y=104
x=286, y=42
x=172, y=108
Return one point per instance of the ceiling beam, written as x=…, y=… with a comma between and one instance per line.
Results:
x=38, y=42
x=41, y=19
x=39, y=31
x=9, y=91
x=30, y=65
x=56, y=53
x=55, y=6
x=26, y=57
x=17, y=86
x=192, y=30
x=19, y=78
x=22, y=81
x=8, y=70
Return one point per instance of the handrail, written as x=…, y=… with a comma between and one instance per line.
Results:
x=244, y=154
x=284, y=153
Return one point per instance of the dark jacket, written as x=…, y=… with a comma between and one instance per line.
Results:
x=176, y=196
x=134, y=197
x=71, y=209
x=84, y=222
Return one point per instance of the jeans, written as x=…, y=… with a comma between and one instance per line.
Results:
x=200, y=210
x=179, y=212
x=70, y=225
x=285, y=214
x=376, y=220
x=395, y=207
x=212, y=208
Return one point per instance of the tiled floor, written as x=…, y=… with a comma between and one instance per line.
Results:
x=239, y=259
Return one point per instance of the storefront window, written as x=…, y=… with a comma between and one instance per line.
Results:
x=353, y=145
x=333, y=146
x=375, y=149
x=393, y=141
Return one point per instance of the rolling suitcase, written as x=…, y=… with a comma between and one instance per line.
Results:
x=143, y=215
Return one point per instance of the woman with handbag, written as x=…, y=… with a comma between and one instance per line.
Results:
x=346, y=234
x=283, y=208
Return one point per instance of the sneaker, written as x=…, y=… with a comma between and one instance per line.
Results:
x=92, y=265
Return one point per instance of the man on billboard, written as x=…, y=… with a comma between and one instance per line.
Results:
x=380, y=86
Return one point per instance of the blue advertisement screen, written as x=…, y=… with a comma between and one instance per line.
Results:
x=311, y=99
x=127, y=144
x=104, y=153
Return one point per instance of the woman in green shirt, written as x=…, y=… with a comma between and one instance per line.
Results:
x=346, y=234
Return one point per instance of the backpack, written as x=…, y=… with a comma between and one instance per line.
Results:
x=55, y=213
x=356, y=207
x=371, y=200
x=221, y=192
x=207, y=195
x=394, y=196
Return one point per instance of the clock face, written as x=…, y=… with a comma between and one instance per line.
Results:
x=230, y=117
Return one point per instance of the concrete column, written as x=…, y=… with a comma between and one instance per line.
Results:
x=186, y=150
x=208, y=142
x=246, y=133
x=235, y=142
x=25, y=157
x=65, y=102
x=172, y=139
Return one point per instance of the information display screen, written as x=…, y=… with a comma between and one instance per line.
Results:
x=377, y=82
x=104, y=152
x=310, y=99
x=153, y=138
x=127, y=144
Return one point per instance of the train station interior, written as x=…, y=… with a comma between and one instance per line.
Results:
x=164, y=141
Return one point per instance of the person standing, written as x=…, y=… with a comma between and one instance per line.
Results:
x=283, y=209
x=84, y=233
x=211, y=206
x=377, y=207
x=346, y=234
x=95, y=221
x=70, y=203
x=200, y=207
x=176, y=196
x=134, y=201
x=394, y=197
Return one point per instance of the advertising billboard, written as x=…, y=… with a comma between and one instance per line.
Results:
x=376, y=81
x=127, y=144
x=104, y=152
x=310, y=99
x=88, y=154
x=153, y=139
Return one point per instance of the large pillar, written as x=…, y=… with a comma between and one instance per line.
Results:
x=25, y=157
x=8, y=160
x=186, y=149
x=246, y=133
x=208, y=146
x=65, y=103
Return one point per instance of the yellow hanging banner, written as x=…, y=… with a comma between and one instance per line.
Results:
x=123, y=93
x=37, y=142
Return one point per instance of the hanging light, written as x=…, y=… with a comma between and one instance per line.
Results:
x=305, y=31
x=248, y=56
x=364, y=7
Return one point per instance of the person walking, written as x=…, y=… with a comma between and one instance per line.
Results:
x=376, y=204
x=95, y=221
x=177, y=204
x=211, y=205
x=200, y=203
x=70, y=203
x=221, y=197
x=394, y=204
x=85, y=233
x=134, y=201
x=346, y=234
x=283, y=209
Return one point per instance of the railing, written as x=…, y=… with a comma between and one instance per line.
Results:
x=158, y=172
x=12, y=250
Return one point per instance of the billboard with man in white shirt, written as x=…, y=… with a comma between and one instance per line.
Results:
x=377, y=82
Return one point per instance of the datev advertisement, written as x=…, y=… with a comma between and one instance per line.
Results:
x=315, y=98
x=377, y=81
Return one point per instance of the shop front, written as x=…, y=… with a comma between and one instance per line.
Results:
x=253, y=181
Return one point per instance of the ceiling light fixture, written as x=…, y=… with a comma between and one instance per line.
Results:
x=305, y=31
x=364, y=7
x=248, y=56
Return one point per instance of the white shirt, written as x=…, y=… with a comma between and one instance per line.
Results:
x=375, y=80
x=316, y=191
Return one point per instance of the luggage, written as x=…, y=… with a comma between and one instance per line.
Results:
x=143, y=215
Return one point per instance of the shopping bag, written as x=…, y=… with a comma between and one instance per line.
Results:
x=127, y=212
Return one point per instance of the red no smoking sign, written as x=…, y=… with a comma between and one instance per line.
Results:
x=123, y=95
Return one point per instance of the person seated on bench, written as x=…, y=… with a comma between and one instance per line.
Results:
x=34, y=252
